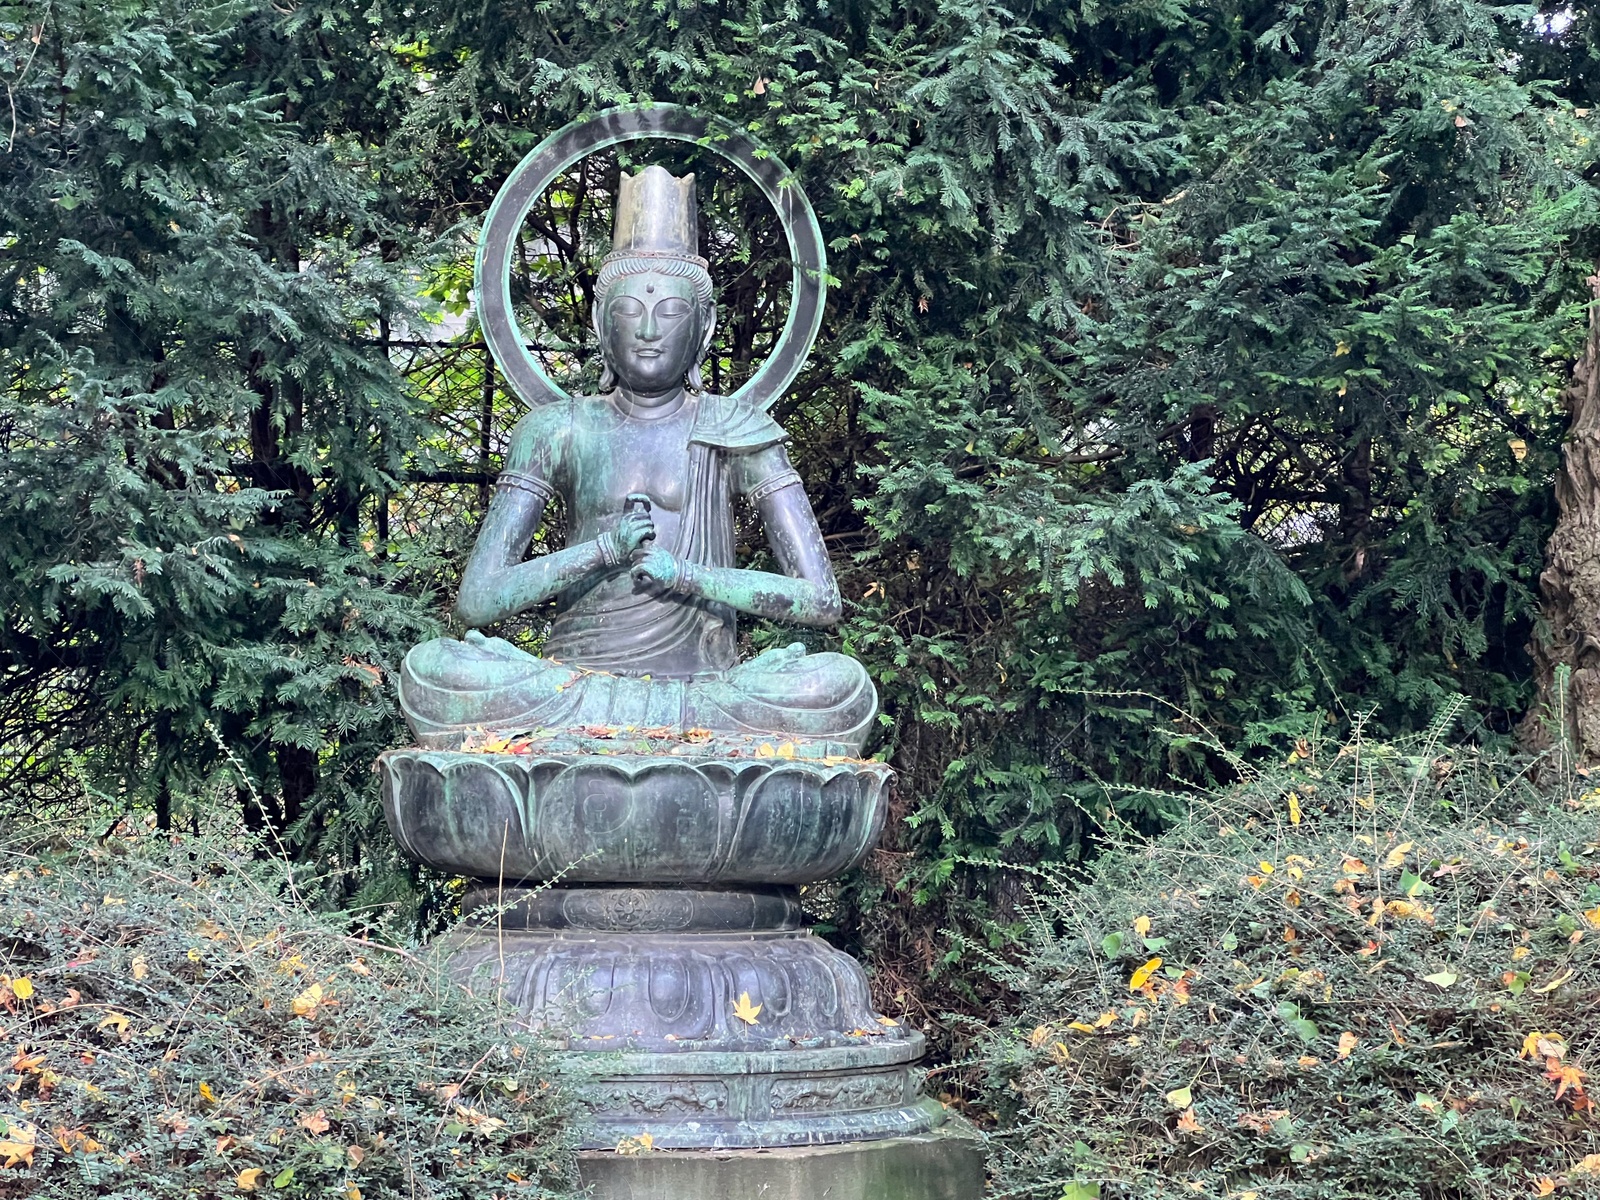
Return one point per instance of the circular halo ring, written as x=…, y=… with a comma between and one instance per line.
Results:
x=672, y=122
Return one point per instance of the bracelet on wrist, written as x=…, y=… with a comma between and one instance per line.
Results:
x=686, y=579
x=610, y=549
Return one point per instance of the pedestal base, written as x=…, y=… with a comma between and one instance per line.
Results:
x=944, y=1165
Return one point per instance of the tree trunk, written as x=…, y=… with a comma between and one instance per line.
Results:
x=1568, y=635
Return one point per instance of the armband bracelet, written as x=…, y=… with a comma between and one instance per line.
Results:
x=610, y=550
x=687, y=580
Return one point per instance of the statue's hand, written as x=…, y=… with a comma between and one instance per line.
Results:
x=633, y=529
x=661, y=568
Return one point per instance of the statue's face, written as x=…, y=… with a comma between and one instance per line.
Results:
x=650, y=331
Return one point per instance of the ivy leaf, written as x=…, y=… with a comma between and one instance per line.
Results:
x=1111, y=944
x=1441, y=979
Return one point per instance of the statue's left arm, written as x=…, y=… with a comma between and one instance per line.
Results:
x=806, y=593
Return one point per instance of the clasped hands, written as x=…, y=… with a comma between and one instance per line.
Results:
x=647, y=565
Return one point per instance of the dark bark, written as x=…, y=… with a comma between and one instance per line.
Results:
x=1568, y=634
x=1355, y=509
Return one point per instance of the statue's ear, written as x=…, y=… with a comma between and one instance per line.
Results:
x=692, y=376
x=608, y=377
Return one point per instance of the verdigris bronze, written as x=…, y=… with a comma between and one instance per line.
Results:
x=669, y=796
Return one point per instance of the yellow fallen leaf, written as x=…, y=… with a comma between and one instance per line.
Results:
x=1081, y=1027
x=305, y=1004
x=1039, y=1036
x=1180, y=1097
x=115, y=1021
x=1142, y=975
x=249, y=1179
x=141, y=966
x=1396, y=856
x=1520, y=953
x=1556, y=982
x=356, y=1154
x=1104, y=1019
x=1294, y=808
x=1545, y=1186
x=22, y=987
x=1265, y=867
x=206, y=1093
x=1141, y=926
x=1543, y=1045
x=746, y=1011
x=19, y=1143
x=888, y=1022
x=1592, y=916
x=1347, y=1042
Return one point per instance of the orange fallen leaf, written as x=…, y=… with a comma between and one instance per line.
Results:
x=1347, y=1043
x=315, y=1123
x=19, y=1143
x=1566, y=1079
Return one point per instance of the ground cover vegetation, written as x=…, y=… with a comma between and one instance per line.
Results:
x=1192, y=375
x=179, y=1023
x=1370, y=972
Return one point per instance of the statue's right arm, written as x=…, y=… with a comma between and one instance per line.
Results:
x=498, y=583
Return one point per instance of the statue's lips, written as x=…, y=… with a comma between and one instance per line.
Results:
x=647, y=352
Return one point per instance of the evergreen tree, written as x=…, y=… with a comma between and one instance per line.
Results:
x=1190, y=377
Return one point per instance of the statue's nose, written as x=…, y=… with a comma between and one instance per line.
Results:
x=649, y=327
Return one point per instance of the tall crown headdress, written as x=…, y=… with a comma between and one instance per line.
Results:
x=657, y=217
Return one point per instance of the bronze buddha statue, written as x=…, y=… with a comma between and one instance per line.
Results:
x=646, y=589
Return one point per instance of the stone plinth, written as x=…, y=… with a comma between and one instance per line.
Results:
x=945, y=1165
x=644, y=907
